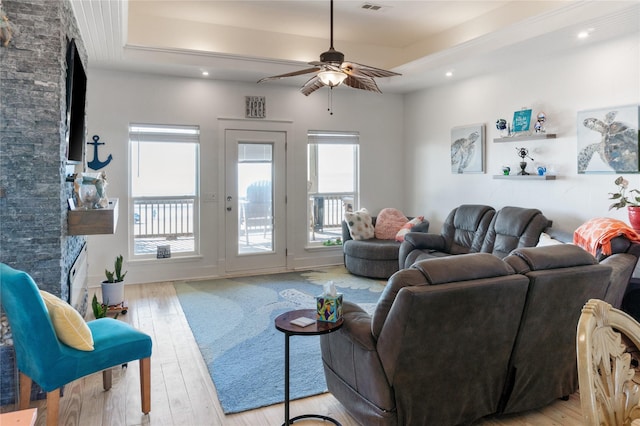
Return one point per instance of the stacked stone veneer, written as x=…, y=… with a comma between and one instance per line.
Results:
x=33, y=189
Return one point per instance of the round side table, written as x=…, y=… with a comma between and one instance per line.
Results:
x=283, y=324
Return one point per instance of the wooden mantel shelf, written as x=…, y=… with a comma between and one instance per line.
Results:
x=93, y=221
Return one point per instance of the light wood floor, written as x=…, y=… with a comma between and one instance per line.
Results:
x=182, y=392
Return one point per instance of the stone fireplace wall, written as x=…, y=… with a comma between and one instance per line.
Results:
x=33, y=187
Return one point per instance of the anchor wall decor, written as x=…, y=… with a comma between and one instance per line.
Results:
x=96, y=164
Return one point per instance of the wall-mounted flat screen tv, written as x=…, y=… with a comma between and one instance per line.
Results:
x=76, y=97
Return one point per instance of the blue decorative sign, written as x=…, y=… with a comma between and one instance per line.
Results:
x=521, y=120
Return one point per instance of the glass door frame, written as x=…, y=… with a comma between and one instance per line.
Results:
x=235, y=260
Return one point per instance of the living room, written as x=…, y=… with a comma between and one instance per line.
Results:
x=405, y=139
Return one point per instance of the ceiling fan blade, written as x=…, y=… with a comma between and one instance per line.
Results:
x=311, y=85
x=290, y=74
x=362, y=82
x=353, y=68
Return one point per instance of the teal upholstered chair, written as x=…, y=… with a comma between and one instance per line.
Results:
x=42, y=358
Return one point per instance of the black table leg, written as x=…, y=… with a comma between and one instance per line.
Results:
x=286, y=379
x=315, y=416
x=283, y=324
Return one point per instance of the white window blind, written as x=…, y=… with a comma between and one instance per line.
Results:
x=330, y=137
x=159, y=133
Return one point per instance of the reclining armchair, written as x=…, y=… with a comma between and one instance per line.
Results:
x=431, y=353
x=543, y=364
x=463, y=231
x=613, y=243
x=512, y=228
x=623, y=291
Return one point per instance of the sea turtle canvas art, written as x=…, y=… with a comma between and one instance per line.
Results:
x=467, y=149
x=608, y=140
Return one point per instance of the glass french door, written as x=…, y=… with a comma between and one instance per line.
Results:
x=255, y=203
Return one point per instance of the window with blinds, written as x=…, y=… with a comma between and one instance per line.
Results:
x=164, y=190
x=332, y=182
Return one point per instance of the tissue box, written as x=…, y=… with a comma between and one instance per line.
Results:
x=329, y=309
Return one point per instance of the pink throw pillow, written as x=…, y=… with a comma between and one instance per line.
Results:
x=388, y=223
x=407, y=227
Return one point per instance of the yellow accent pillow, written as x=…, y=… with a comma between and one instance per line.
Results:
x=69, y=325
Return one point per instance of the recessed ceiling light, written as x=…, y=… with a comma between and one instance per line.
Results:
x=449, y=73
x=586, y=33
x=205, y=73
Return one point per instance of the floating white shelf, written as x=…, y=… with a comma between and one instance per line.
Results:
x=525, y=177
x=537, y=136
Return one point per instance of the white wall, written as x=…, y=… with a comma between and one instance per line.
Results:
x=596, y=76
x=117, y=98
x=405, y=143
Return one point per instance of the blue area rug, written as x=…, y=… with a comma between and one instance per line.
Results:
x=232, y=320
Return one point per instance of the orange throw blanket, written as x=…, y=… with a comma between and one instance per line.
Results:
x=598, y=233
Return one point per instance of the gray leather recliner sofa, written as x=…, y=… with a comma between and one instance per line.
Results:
x=457, y=338
x=476, y=229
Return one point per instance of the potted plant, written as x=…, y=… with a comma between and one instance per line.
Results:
x=99, y=310
x=632, y=203
x=113, y=286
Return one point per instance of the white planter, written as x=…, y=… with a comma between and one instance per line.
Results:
x=112, y=293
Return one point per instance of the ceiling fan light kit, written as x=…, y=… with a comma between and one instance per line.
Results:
x=332, y=70
x=332, y=78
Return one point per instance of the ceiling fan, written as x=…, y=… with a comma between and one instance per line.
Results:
x=332, y=70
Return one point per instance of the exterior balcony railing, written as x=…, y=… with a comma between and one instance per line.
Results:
x=163, y=217
x=163, y=220
x=326, y=211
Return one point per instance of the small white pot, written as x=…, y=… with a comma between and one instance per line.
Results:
x=112, y=293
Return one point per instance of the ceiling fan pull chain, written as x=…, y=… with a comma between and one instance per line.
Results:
x=330, y=101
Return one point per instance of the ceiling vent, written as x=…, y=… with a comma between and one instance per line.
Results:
x=370, y=6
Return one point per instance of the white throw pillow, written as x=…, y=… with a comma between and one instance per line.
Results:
x=546, y=240
x=360, y=225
